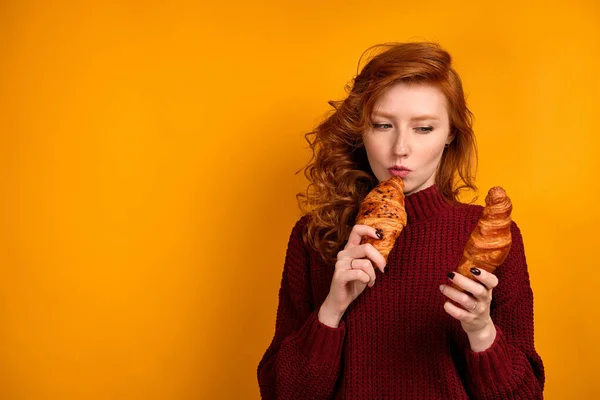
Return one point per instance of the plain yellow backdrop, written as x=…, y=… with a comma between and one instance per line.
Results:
x=148, y=153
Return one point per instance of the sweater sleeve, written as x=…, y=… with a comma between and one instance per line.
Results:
x=511, y=367
x=303, y=359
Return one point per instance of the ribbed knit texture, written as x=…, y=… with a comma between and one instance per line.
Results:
x=395, y=341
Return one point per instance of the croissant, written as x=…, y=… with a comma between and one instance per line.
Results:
x=383, y=209
x=490, y=241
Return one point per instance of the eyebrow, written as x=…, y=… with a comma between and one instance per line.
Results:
x=417, y=118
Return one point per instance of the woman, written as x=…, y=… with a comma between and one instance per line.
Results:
x=349, y=326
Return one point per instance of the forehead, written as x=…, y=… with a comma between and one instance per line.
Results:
x=406, y=99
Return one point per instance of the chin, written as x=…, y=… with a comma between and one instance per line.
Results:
x=408, y=189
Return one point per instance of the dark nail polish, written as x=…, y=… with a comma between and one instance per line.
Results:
x=379, y=234
x=450, y=275
x=475, y=271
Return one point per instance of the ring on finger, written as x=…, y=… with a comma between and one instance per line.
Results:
x=351, y=267
x=475, y=306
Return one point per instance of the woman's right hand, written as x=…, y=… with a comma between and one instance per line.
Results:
x=354, y=270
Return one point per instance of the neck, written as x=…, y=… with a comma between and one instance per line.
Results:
x=425, y=204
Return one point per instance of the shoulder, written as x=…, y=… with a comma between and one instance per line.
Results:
x=517, y=249
x=467, y=208
x=474, y=211
x=515, y=231
x=303, y=221
x=296, y=243
x=301, y=225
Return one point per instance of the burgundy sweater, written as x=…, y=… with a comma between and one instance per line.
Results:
x=395, y=340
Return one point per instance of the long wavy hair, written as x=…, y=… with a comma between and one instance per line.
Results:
x=339, y=172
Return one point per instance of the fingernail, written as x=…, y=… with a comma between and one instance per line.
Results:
x=372, y=284
x=442, y=288
x=450, y=275
x=475, y=271
x=379, y=234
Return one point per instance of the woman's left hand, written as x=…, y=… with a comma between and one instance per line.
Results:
x=474, y=313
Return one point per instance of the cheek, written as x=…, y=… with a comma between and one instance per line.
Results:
x=374, y=149
x=429, y=152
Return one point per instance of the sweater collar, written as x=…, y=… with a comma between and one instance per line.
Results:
x=425, y=204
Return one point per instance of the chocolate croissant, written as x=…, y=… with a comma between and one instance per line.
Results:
x=383, y=209
x=490, y=241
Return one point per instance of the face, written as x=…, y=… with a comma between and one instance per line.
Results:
x=409, y=128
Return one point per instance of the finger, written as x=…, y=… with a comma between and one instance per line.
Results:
x=356, y=234
x=366, y=266
x=467, y=302
x=367, y=250
x=488, y=279
x=351, y=275
x=457, y=312
x=477, y=289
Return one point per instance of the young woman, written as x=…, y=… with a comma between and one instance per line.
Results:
x=351, y=327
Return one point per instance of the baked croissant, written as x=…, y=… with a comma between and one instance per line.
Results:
x=383, y=209
x=490, y=241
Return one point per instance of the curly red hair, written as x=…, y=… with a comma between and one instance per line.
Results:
x=339, y=172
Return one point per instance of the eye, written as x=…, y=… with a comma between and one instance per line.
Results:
x=382, y=126
x=424, y=129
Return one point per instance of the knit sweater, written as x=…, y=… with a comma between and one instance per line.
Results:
x=395, y=341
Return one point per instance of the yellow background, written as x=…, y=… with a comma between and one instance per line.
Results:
x=147, y=177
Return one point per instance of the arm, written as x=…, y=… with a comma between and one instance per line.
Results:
x=303, y=359
x=510, y=368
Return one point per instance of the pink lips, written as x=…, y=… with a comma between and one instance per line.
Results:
x=401, y=171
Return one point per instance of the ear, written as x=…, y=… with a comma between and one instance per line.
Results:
x=451, y=137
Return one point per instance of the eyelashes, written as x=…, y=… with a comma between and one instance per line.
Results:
x=422, y=129
x=382, y=126
x=425, y=128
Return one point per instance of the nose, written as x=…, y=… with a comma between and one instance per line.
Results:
x=401, y=147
